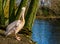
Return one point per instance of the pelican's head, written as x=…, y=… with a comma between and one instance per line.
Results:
x=22, y=11
x=23, y=8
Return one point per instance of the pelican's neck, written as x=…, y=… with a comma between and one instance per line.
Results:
x=23, y=18
x=22, y=15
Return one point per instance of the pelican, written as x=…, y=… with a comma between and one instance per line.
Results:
x=16, y=26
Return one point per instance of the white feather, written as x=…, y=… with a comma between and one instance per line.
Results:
x=11, y=27
x=15, y=26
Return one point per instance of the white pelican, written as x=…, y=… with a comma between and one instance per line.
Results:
x=16, y=26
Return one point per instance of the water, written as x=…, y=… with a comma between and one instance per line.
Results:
x=42, y=33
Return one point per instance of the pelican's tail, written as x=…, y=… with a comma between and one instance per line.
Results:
x=8, y=32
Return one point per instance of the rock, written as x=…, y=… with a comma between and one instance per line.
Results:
x=11, y=39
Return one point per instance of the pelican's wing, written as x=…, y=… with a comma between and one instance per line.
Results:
x=10, y=26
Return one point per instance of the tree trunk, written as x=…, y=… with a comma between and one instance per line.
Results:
x=4, y=3
x=2, y=21
x=6, y=9
x=22, y=4
x=31, y=14
x=11, y=11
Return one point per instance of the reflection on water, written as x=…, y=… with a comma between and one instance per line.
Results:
x=42, y=32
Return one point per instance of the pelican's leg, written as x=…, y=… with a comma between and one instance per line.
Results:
x=18, y=38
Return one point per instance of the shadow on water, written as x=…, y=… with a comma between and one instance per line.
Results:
x=45, y=32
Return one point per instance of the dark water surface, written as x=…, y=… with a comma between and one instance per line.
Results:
x=44, y=32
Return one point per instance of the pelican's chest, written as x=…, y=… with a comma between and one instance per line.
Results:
x=20, y=24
